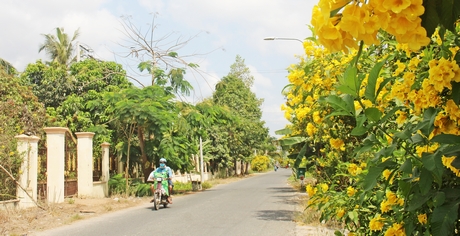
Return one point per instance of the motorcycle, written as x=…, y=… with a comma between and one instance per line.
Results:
x=161, y=194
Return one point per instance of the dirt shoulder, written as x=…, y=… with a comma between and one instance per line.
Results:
x=26, y=221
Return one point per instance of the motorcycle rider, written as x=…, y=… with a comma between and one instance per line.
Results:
x=161, y=169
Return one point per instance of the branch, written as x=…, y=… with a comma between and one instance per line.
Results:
x=17, y=183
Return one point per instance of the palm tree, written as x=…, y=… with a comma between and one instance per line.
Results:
x=60, y=48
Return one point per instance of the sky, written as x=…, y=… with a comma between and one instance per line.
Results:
x=218, y=32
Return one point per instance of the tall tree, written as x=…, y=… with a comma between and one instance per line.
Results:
x=240, y=70
x=251, y=134
x=60, y=47
x=160, y=58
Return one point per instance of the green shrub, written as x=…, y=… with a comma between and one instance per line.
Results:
x=117, y=184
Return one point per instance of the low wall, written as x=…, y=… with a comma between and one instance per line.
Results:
x=9, y=205
x=185, y=178
x=100, y=189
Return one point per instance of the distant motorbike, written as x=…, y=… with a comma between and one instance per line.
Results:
x=161, y=194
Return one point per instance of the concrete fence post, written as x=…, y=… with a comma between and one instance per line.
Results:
x=55, y=142
x=28, y=148
x=105, y=167
x=85, y=163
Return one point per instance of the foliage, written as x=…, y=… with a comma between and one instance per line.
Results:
x=260, y=163
x=250, y=134
x=117, y=184
x=60, y=48
x=142, y=189
x=21, y=114
x=387, y=163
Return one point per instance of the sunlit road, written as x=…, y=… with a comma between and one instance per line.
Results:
x=259, y=205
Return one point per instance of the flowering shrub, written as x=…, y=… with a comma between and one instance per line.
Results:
x=382, y=117
x=260, y=163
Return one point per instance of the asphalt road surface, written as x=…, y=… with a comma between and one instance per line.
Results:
x=260, y=205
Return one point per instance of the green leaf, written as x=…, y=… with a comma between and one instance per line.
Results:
x=444, y=218
x=426, y=180
x=430, y=18
x=339, y=104
x=446, y=138
x=428, y=121
x=348, y=83
x=372, y=81
x=173, y=54
x=373, y=114
x=284, y=131
x=417, y=138
x=287, y=142
x=418, y=201
x=300, y=156
x=358, y=131
x=406, y=167
x=439, y=199
x=371, y=178
x=456, y=89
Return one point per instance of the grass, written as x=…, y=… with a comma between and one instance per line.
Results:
x=309, y=216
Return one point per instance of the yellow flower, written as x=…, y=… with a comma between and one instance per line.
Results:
x=422, y=218
x=395, y=230
x=354, y=169
x=340, y=212
x=376, y=224
x=385, y=206
x=337, y=144
x=447, y=162
x=392, y=198
x=311, y=190
x=351, y=191
x=324, y=187
x=386, y=174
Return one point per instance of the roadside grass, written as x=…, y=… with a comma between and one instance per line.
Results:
x=307, y=215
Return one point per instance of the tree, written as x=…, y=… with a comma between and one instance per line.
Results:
x=240, y=70
x=60, y=48
x=160, y=58
x=21, y=113
x=251, y=133
x=151, y=110
x=7, y=67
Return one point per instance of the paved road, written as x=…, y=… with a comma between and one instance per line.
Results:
x=260, y=205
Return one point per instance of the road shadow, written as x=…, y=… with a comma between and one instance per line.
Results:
x=283, y=189
x=272, y=215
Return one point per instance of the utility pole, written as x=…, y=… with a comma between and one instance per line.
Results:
x=201, y=163
x=78, y=51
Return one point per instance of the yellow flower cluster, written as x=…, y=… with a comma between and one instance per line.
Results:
x=340, y=213
x=391, y=200
x=396, y=230
x=354, y=169
x=351, y=191
x=427, y=148
x=357, y=20
x=311, y=190
x=447, y=162
x=422, y=219
x=376, y=223
x=337, y=144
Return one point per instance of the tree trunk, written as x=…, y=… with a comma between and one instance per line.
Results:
x=146, y=165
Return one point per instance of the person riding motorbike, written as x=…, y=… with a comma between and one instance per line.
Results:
x=163, y=168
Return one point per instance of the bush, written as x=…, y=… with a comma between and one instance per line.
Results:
x=260, y=163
